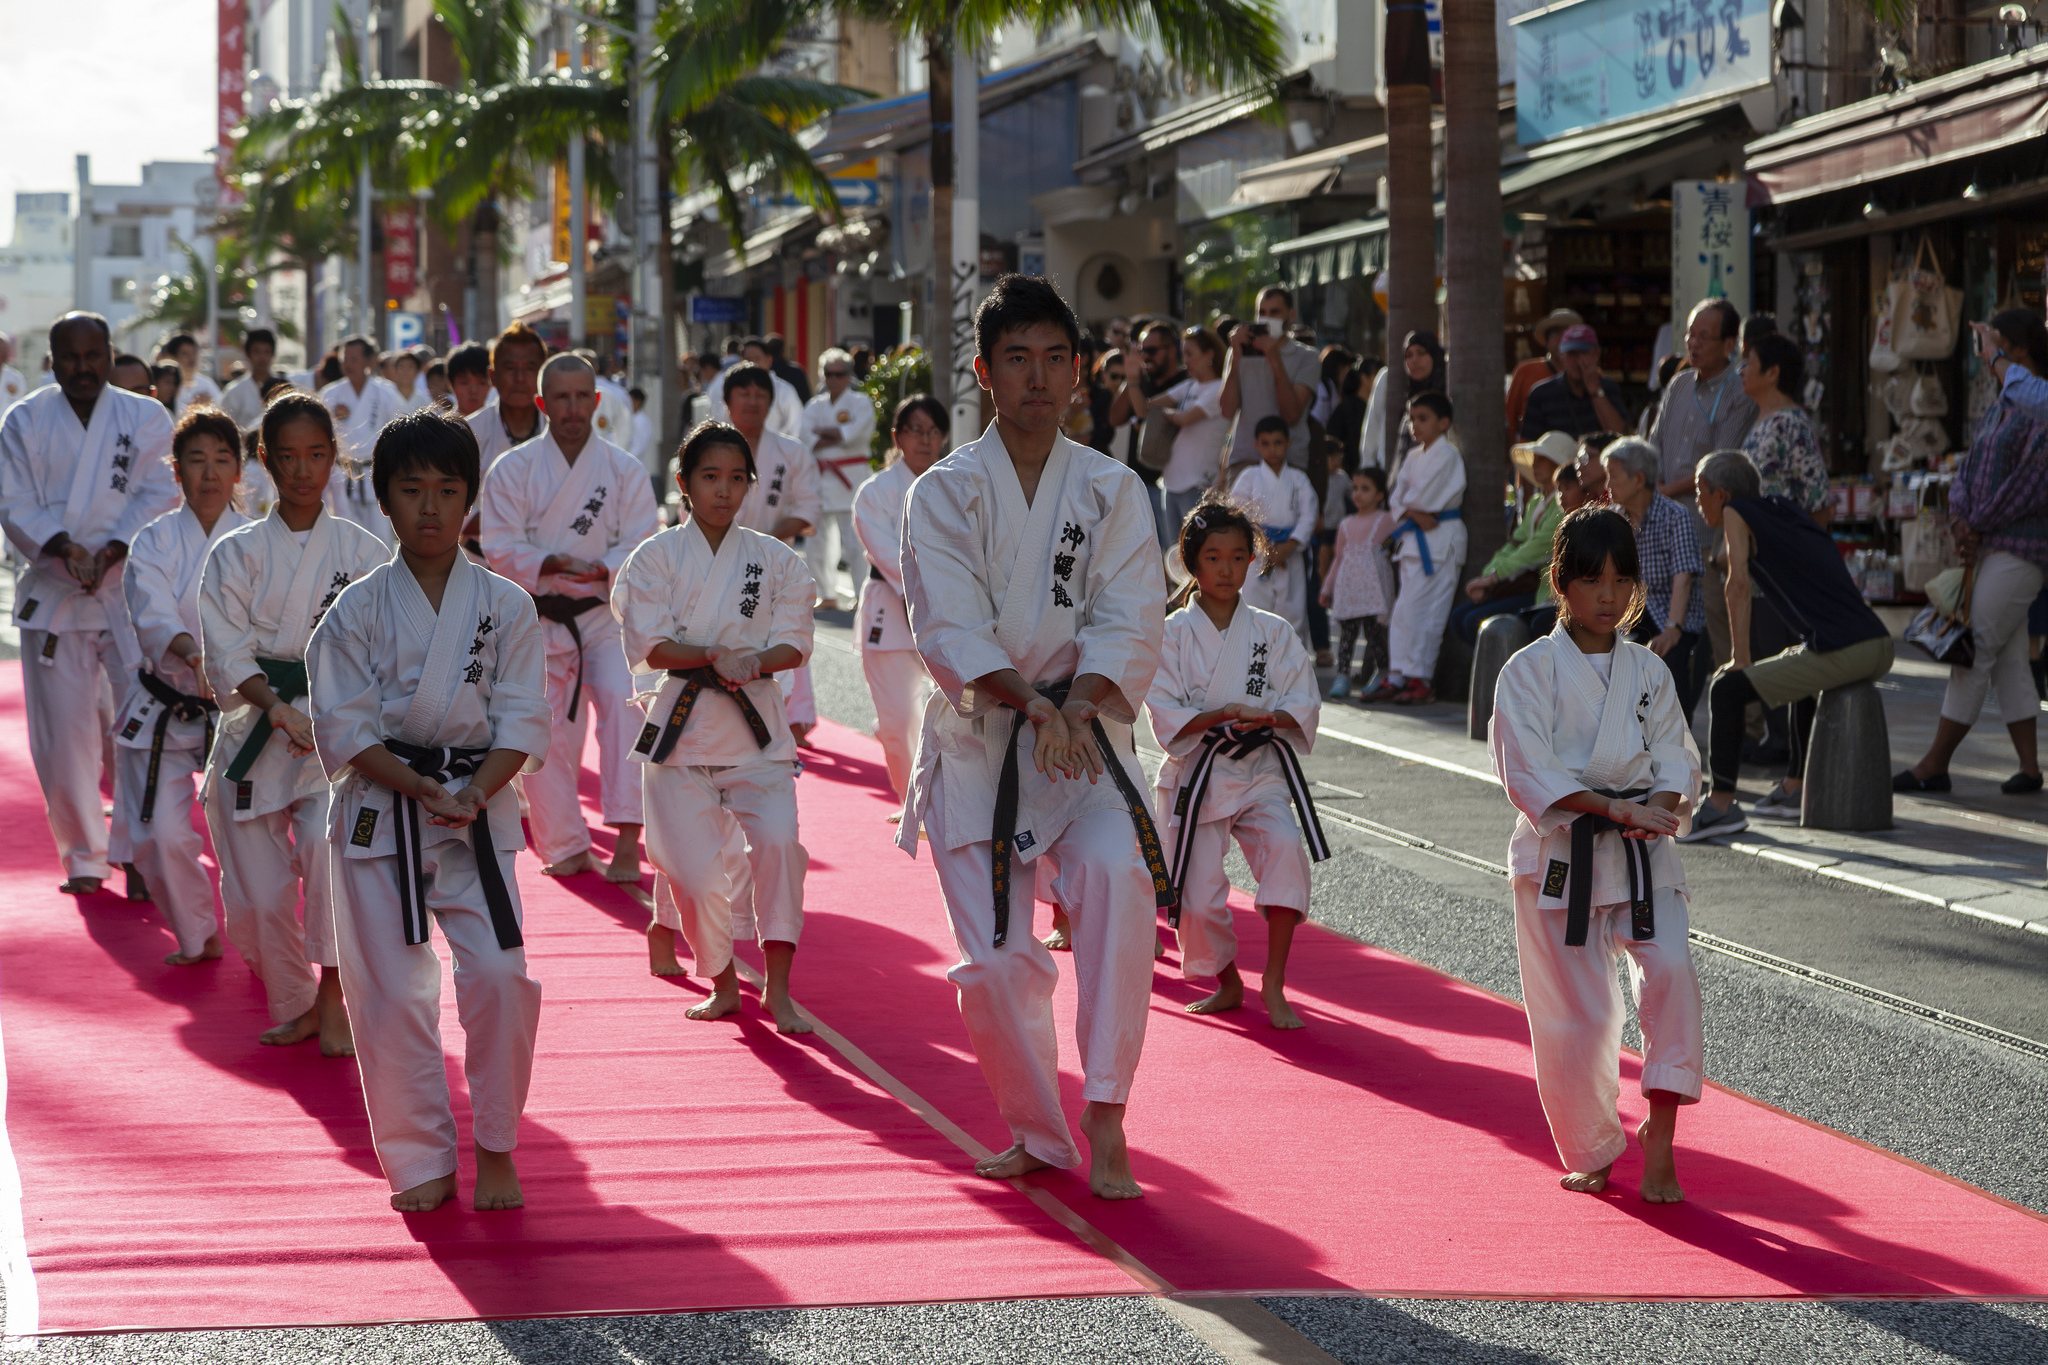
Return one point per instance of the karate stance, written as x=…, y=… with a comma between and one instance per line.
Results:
x=265, y=586
x=1031, y=566
x=429, y=681
x=1281, y=499
x=83, y=469
x=167, y=722
x=558, y=517
x=720, y=608
x=1590, y=743
x=784, y=501
x=1234, y=696
x=839, y=423
x=1430, y=540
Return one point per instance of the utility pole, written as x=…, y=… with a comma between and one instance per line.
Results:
x=966, y=271
x=82, y=240
x=578, y=232
x=650, y=234
x=365, y=309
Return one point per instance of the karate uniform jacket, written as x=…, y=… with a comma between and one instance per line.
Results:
x=199, y=389
x=100, y=482
x=1432, y=479
x=243, y=401
x=878, y=509
x=1067, y=584
x=786, y=485
x=358, y=417
x=842, y=464
x=786, y=415
x=487, y=424
x=161, y=592
x=1283, y=503
x=613, y=419
x=13, y=388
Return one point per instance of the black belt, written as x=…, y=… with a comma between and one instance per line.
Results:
x=441, y=765
x=287, y=678
x=1219, y=742
x=876, y=574
x=563, y=610
x=658, y=742
x=1004, y=834
x=1642, y=913
x=177, y=706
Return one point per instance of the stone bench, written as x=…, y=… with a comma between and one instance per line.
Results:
x=1499, y=638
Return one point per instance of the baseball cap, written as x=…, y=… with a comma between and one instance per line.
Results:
x=1578, y=337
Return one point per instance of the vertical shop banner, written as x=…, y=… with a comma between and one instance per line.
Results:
x=1709, y=246
x=401, y=253
x=234, y=29
x=1586, y=62
x=561, y=215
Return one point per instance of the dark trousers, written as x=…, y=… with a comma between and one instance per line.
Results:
x=1679, y=660
x=1768, y=635
x=1318, y=614
x=1730, y=695
x=1468, y=616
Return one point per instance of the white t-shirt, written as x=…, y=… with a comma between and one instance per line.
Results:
x=1197, y=456
x=1603, y=664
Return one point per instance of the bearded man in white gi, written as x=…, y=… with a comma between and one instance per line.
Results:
x=839, y=422
x=1031, y=567
x=362, y=402
x=84, y=466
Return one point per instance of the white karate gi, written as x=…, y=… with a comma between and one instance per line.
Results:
x=260, y=596
x=487, y=423
x=535, y=504
x=1261, y=662
x=842, y=468
x=786, y=415
x=641, y=448
x=786, y=485
x=1063, y=585
x=1285, y=504
x=1431, y=479
x=613, y=419
x=197, y=389
x=243, y=401
x=888, y=655
x=161, y=588
x=100, y=482
x=385, y=665
x=13, y=388
x=1559, y=727
x=719, y=782
x=358, y=417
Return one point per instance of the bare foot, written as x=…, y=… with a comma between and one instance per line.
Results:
x=80, y=886
x=586, y=861
x=802, y=734
x=1586, y=1182
x=1229, y=994
x=1278, y=1010
x=1009, y=1165
x=1158, y=948
x=624, y=867
x=138, y=885
x=1660, y=1168
x=425, y=1198
x=661, y=951
x=497, y=1182
x=335, y=1038
x=1059, y=940
x=297, y=1030
x=894, y=817
x=725, y=1000
x=783, y=1010
x=207, y=953
x=1109, y=1159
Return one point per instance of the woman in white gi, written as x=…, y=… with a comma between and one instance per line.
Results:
x=1431, y=540
x=1234, y=696
x=888, y=656
x=720, y=609
x=1590, y=743
x=265, y=586
x=167, y=721
x=1283, y=502
x=839, y=424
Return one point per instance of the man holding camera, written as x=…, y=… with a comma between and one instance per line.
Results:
x=1267, y=375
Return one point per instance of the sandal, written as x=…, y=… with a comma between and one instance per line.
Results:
x=1905, y=781
x=2020, y=784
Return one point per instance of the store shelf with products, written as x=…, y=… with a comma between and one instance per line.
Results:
x=1617, y=276
x=1892, y=532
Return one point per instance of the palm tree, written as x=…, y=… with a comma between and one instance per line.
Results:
x=179, y=301
x=276, y=229
x=1411, y=212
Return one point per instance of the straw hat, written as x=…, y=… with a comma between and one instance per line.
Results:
x=1557, y=317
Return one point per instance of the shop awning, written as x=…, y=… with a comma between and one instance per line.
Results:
x=1966, y=113
x=1174, y=129
x=1554, y=168
x=1346, y=251
x=761, y=245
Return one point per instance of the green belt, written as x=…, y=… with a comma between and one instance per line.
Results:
x=287, y=678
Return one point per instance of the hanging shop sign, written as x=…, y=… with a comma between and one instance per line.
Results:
x=1588, y=62
x=1709, y=246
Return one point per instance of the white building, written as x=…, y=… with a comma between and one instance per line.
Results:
x=132, y=237
x=36, y=275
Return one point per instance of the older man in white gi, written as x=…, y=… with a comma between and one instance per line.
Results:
x=839, y=422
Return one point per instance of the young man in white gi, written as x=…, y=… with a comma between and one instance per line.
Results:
x=785, y=412
x=83, y=468
x=1031, y=566
x=195, y=389
x=362, y=402
x=1431, y=534
x=243, y=397
x=428, y=695
x=1281, y=499
x=784, y=501
x=517, y=353
x=838, y=425
x=558, y=517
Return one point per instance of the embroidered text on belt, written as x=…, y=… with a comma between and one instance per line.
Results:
x=177, y=706
x=563, y=610
x=659, y=743
x=1642, y=915
x=442, y=765
x=1221, y=742
x=287, y=678
x=1004, y=834
x=1408, y=526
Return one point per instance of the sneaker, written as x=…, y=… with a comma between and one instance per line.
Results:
x=1777, y=804
x=1418, y=692
x=1340, y=688
x=1710, y=823
x=1386, y=691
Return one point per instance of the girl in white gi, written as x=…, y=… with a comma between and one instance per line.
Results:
x=1235, y=695
x=888, y=657
x=838, y=425
x=1590, y=743
x=1431, y=539
x=720, y=608
x=1283, y=502
x=428, y=695
x=167, y=722
x=264, y=588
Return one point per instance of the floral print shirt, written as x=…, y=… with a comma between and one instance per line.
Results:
x=1787, y=455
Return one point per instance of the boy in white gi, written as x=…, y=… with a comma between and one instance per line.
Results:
x=362, y=402
x=784, y=501
x=720, y=608
x=1281, y=499
x=1431, y=535
x=888, y=657
x=1235, y=694
x=1031, y=566
x=558, y=516
x=83, y=468
x=166, y=724
x=1592, y=748
x=429, y=683
x=839, y=422
x=265, y=586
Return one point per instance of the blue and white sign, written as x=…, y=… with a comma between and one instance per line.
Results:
x=406, y=329
x=709, y=309
x=858, y=193
x=1587, y=62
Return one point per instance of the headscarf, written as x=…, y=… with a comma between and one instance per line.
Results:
x=1428, y=342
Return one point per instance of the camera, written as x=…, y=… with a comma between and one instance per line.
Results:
x=1269, y=326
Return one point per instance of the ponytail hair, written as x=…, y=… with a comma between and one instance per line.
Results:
x=1215, y=515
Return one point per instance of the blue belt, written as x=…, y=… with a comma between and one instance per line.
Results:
x=1275, y=535
x=1421, y=537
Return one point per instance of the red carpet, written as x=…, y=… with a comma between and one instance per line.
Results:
x=177, y=1174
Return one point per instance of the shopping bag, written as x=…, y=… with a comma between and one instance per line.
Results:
x=1883, y=359
x=1927, y=399
x=1946, y=638
x=1926, y=312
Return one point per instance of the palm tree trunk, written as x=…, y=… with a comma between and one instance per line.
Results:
x=938, y=339
x=671, y=381
x=483, y=236
x=1472, y=265
x=1411, y=217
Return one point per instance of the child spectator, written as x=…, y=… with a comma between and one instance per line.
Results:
x=1359, y=587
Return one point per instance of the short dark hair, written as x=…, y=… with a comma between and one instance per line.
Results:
x=471, y=357
x=775, y=344
x=929, y=406
x=407, y=353
x=273, y=384
x=1285, y=296
x=637, y=393
x=1438, y=403
x=1567, y=473
x=1272, y=421
x=1776, y=351
x=259, y=334
x=518, y=334
x=330, y=367
x=369, y=346
x=1015, y=302
x=203, y=419
x=1731, y=317
x=181, y=339
x=436, y=366
x=703, y=437
x=426, y=439
x=127, y=358
x=78, y=315
x=293, y=407
x=762, y=342
x=744, y=375
x=1585, y=541
x=2023, y=327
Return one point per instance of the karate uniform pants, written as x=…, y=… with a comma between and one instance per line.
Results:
x=1415, y=629
x=1576, y=1013
x=167, y=847
x=695, y=814
x=898, y=683
x=799, y=703
x=845, y=545
x=268, y=864
x=1272, y=845
x=1283, y=592
x=69, y=700
x=394, y=1003
x=554, y=811
x=1006, y=992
